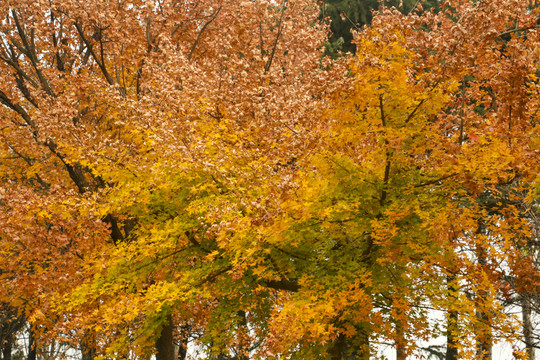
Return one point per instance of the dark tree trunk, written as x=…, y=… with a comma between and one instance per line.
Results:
x=165, y=342
x=182, y=352
x=336, y=350
x=364, y=348
x=451, y=340
x=6, y=348
x=401, y=352
x=357, y=348
x=484, y=338
x=483, y=347
x=183, y=342
x=452, y=321
x=401, y=344
x=243, y=351
x=88, y=348
x=32, y=351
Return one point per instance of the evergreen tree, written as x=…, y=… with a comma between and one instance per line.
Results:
x=347, y=15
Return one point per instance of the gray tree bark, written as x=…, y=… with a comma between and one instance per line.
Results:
x=527, y=325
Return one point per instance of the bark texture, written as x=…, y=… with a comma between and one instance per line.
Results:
x=165, y=342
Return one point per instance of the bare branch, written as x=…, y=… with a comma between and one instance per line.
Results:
x=17, y=108
x=29, y=49
x=90, y=49
x=213, y=17
x=274, y=46
x=431, y=182
x=533, y=27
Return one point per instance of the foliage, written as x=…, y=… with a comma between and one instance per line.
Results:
x=197, y=170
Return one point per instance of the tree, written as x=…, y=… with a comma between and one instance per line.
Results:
x=83, y=87
x=445, y=55
x=197, y=169
x=347, y=16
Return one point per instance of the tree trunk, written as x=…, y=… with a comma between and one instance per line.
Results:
x=243, y=350
x=336, y=350
x=88, y=348
x=181, y=348
x=357, y=348
x=451, y=339
x=182, y=352
x=401, y=349
x=484, y=338
x=32, y=351
x=527, y=325
x=165, y=342
x=7, y=347
x=401, y=352
x=452, y=321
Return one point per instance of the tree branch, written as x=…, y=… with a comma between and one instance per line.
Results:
x=29, y=49
x=213, y=17
x=90, y=49
x=283, y=284
x=274, y=46
x=532, y=27
x=431, y=182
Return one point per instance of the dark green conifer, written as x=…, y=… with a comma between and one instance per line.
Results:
x=347, y=15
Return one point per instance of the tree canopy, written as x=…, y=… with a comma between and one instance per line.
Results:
x=197, y=180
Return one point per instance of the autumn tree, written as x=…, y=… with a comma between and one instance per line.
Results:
x=83, y=118
x=471, y=153
x=176, y=169
x=485, y=106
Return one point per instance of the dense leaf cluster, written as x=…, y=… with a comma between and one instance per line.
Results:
x=195, y=179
